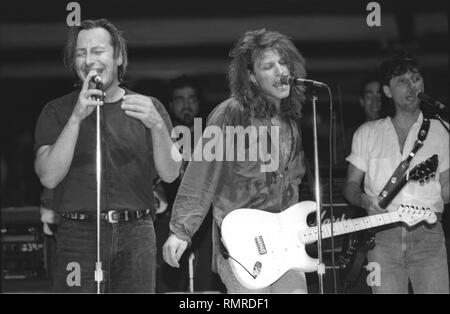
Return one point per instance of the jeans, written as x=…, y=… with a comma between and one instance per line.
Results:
x=417, y=254
x=128, y=256
x=293, y=281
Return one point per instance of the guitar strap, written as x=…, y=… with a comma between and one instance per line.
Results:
x=403, y=166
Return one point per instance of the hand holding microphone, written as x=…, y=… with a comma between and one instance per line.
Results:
x=97, y=80
x=88, y=98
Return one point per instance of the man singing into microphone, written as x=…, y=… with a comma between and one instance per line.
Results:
x=404, y=254
x=135, y=144
x=258, y=99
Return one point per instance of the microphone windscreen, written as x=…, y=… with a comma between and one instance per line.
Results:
x=97, y=79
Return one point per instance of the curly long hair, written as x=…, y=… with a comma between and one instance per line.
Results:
x=246, y=51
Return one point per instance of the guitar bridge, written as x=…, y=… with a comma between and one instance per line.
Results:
x=257, y=269
x=260, y=245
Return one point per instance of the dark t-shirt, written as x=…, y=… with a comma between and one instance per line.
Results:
x=128, y=169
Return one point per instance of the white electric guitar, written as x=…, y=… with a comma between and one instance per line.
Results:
x=263, y=246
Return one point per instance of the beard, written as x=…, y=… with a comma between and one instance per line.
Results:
x=186, y=117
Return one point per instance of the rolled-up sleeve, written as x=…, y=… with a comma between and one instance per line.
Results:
x=358, y=156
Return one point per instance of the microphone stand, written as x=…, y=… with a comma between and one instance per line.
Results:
x=321, y=266
x=442, y=109
x=442, y=122
x=98, y=274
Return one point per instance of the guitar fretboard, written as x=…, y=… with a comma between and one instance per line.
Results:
x=310, y=235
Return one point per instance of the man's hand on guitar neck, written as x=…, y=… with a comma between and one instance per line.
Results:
x=370, y=204
x=354, y=194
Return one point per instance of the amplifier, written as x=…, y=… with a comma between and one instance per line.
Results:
x=22, y=243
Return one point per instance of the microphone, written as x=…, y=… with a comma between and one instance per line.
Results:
x=97, y=79
x=431, y=101
x=291, y=80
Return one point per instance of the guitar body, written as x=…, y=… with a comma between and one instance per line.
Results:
x=354, y=257
x=270, y=245
x=263, y=246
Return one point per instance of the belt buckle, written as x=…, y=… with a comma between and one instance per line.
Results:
x=112, y=218
x=138, y=214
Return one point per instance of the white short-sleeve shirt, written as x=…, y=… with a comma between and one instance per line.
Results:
x=376, y=151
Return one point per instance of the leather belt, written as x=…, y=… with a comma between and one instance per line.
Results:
x=111, y=216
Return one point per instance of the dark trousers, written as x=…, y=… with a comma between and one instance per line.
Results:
x=128, y=256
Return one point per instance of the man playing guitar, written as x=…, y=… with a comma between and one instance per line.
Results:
x=416, y=254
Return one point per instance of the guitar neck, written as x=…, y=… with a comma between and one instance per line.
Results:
x=310, y=235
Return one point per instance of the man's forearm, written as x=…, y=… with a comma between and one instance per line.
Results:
x=166, y=156
x=445, y=186
x=446, y=193
x=353, y=194
x=53, y=163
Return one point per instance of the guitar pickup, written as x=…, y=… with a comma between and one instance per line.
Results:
x=260, y=245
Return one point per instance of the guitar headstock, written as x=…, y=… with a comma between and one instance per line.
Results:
x=412, y=215
x=424, y=171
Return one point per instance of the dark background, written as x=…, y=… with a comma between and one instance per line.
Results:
x=167, y=38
